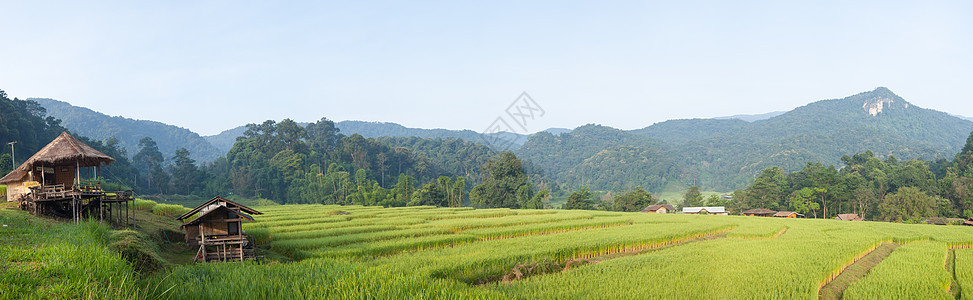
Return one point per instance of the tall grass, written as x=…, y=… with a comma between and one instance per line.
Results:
x=64, y=261
x=447, y=253
x=169, y=210
x=913, y=271
x=142, y=204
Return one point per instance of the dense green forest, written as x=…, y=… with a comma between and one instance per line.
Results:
x=225, y=140
x=26, y=123
x=876, y=189
x=727, y=154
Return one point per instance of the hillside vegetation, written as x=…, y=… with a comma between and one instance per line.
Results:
x=129, y=132
x=727, y=154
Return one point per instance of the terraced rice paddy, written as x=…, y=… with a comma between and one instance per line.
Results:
x=426, y=252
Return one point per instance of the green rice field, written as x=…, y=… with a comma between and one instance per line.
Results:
x=356, y=252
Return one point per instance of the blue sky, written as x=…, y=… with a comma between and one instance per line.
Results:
x=213, y=65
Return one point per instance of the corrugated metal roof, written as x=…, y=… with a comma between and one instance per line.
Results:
x=709, y=209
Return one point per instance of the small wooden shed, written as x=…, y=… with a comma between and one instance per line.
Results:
x=659, y=209
x=218, y=230
x=759, y=212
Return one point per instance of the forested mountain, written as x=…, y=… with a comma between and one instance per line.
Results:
x=26, y=123
x=726, y=154
x=225, y=139
x=751, y=118
x=129, y=132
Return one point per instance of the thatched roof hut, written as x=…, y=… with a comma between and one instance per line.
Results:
x=66, y=149
x=61, y=158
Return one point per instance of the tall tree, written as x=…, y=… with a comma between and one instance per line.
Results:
x=580, y=199
x=692, y=197
x=149, y=160
x=185, y=175
x=635, y=200
x=506, y=185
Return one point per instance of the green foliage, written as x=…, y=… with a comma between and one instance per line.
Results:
x=580, y=199
x=142, y=204
x=909, y=204
x=635, y=200
x=890, y=190
x=288, y=163
x=6, y=164
x=506, y=186
x=728, y=154
x=692, y=197
x=150, y=160
x=65, y=261
x=27, y=123
x=129, y=132
x=186, y=178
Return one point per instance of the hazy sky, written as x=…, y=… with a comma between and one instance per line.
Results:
x=213, y=65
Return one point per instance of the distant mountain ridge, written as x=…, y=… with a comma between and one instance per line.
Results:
x=128, y=131
x=224, y=140
x=719, y=153
x=752, y=118
x=725, y=154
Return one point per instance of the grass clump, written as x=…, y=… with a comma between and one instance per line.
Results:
x=40, y=259
x=169, y=210
x=142, y=204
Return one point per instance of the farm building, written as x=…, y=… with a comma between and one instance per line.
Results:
x=788, y=214
x=710, y=210
x=848, y=217
x=759, y=212
x=659, y=209
x=63, y=180
x=218, y=230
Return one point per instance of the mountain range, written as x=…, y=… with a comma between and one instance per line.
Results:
x=719, y=154
x=725, y=154
x=170, y=138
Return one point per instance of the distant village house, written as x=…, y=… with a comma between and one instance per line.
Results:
x=659, y=209
x=711, y=210
x=788, y=214
x=848, y=217
x=759, y=212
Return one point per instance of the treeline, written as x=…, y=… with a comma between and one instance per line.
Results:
x=289, y=163
x=876, y=189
